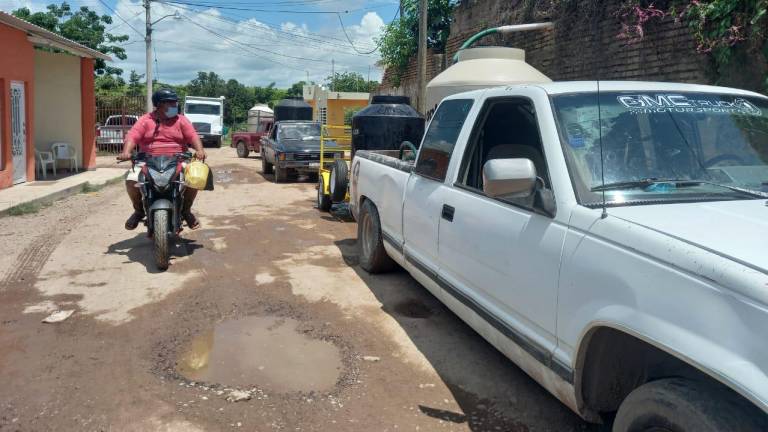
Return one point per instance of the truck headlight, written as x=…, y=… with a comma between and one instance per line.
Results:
x=281, y=156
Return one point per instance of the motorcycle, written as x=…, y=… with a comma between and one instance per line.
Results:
x=161, y=182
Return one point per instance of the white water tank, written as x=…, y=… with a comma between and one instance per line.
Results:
x=255, y=114
x=480, y=68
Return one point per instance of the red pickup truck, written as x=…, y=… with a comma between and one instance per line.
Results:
x=246, y=142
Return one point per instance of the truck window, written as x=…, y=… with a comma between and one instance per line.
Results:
x=193, y=108
x=441, y=137
x=507, y=130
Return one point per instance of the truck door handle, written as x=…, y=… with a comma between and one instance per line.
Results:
x=448, y=212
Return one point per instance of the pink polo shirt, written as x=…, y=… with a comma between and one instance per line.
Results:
x=171, y=136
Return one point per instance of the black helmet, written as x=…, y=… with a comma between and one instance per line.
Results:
x=164, y=95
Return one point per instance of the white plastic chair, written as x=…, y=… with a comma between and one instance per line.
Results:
x=44, y=159
x=65, y=151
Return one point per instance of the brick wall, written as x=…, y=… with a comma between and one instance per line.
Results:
x=584, y=46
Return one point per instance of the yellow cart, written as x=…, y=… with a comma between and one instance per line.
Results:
x=333, y=171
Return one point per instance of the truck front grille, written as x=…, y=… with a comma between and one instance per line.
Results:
x=202, y=127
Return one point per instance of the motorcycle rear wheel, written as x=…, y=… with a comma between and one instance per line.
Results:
x=160, y=237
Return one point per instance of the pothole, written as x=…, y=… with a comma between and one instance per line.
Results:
x=413, y=309
x=267, y=352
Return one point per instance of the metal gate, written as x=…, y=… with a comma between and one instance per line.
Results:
x=18, y=133
x=115, y=115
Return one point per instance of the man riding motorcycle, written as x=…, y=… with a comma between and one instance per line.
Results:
x=159, y=133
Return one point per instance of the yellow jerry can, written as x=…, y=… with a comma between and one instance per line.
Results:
x=196, y=175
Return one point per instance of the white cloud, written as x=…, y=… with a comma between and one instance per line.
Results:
x=250, y=51
x=184, y=48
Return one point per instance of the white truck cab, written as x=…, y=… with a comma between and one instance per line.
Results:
x=609, y=238
x=207, y=116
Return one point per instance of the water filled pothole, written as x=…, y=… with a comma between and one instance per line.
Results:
x=267, y=352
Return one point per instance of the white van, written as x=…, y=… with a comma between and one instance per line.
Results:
x=207, y=116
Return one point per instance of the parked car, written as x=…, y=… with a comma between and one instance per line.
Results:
x=110, y=135
x=589, y=234
x=293, y=147
x=246, y=142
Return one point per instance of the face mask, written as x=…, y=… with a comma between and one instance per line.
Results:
x=172, y=112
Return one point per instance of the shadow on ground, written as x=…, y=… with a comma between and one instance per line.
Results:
x=139, y=249
x=492, y=392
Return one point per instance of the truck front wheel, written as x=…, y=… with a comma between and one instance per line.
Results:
x=266, y=167
x=685, y=405
x=370, y=243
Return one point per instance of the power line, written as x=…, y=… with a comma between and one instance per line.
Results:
x=230, y=40
x=258, y=10
x=121, y=18
x=230, y=19
x=352, y=44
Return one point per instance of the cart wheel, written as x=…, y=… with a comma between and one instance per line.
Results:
x=323, y=201
x=339, y=180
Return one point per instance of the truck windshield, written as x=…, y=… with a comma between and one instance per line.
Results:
x=664, y=147
x=193, y=108
x=303, y=131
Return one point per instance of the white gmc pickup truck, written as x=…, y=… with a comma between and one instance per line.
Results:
x=609, y=238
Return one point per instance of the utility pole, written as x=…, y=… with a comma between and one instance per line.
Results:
x=333, y=74
x=148, y=40
x=422, y=57
x=368, y=89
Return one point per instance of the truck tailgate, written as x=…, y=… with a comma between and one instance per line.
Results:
x=381, y=179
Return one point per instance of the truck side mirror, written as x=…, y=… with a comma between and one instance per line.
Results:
x=513, y=178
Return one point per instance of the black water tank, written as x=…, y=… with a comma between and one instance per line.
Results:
x=385, y=124
x=293, y=108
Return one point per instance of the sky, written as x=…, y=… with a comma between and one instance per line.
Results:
x=256, y=42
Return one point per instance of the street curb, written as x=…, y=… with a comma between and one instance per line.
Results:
x=64, y=193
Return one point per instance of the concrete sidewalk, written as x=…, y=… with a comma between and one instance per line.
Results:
x=45, y=192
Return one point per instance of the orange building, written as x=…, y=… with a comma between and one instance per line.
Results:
x=46, y=96
x=328, y=107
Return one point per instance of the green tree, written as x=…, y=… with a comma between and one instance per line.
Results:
x=207, y=84
x=400, y=40
x=84, y=26
x=239, y=100
x=350, y=82
x=136, y=84
x=269, y=95
x=109, y=84
x=297, y=89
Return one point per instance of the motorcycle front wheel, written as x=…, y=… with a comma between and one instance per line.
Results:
x=161, y=234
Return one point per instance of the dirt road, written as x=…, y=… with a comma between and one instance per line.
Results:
x=265, y=304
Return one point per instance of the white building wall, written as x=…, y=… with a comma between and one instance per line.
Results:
x=58, y=108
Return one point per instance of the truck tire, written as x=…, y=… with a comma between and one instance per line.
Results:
x=161, y=228
x=281, y=174
x=323, y=201
x=266, y=167
x=685, y=405
x=370, y=242
x=339, y=180
x=242, y=149
x=217, y=142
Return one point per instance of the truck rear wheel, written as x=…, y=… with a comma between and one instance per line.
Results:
x=685, y=405
x=266, y=167
x=339, y=179
x=242, y=149
x=370, y=242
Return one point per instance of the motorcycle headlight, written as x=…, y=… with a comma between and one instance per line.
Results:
x=162, y=179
